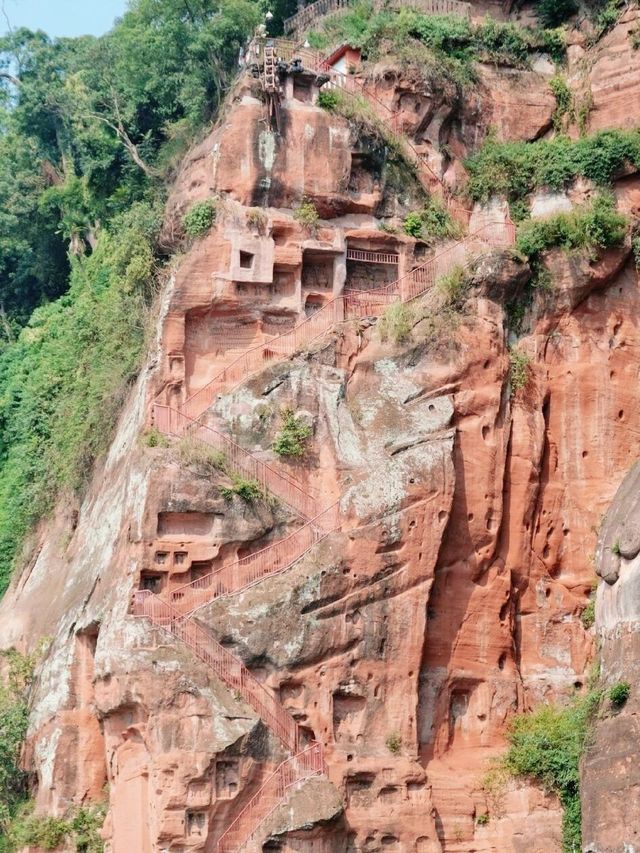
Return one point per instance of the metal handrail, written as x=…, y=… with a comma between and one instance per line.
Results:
x=305, y=765
x=244, y=572
x=225, y=665
x=171, y=421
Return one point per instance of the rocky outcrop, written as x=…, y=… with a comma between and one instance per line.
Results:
x=451, y=597
x=610, y=775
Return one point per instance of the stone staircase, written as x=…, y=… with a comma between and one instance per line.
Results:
x=303, y=763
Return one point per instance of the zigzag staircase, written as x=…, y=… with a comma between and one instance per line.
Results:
x=176, y=616
x=303, y=764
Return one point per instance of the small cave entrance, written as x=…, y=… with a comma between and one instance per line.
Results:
x=195, y=823
x=153, y=581
x=317, y=271
x=201, y=569
x=227, y=779
x=365, y=273
x=312, y=304
x=246, y=260
x=348, y=716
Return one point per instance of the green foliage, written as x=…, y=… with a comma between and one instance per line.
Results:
x=292, y=438
x=86, y=137
x=154, y=438
x=433, y=222
x=615, y=548
x=519, y=369
x=307, y=215
x=605, y=14
x=63, y=381
x=547, y=745
x=552, y=13
x=328, y=99
x=454, y=286
x=441, y=47
x=516, y=169
x=200, y=457
x=248, y=490
x=564, y=110
x=394, y=743
x=483, y=819
x=588, y=615
x=199, y=218
x=84, y=134
x=413, y=224
x=46, y=832
x=397, y=322
x=594, y=226
x=14, y=689
x=619, y=693
x=81, y=828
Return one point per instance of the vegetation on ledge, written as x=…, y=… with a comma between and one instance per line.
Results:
x=546, y=746
x=441, y=46
x=517, y=169
x=593, y=227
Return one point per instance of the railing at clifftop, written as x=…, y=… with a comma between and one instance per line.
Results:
x=299, y=22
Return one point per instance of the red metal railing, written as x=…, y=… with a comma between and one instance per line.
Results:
x=305, y=765
x=173, y=422
x=365, y=256
x=247, y=571
x=225, y=665
x=302, y=765
x=254, y=359
x=352, y=305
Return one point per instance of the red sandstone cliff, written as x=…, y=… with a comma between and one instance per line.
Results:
x=450, y=599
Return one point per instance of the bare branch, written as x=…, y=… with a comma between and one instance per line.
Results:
x=6, y=76
x=124, y=138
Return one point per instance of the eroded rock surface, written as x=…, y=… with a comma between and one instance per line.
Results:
x=450, y=599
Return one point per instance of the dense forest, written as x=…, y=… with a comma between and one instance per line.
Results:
x=91, y=132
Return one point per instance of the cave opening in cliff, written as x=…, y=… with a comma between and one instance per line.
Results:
x=371, y=266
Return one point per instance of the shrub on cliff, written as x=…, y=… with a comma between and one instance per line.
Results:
x=454, y=286
x=547, y=746
x=453, y=43
x=307, y=215
x=199, y=218
x=292, y=438
x=552, y=13
x=619, y=694
x=397, y=322
x=62, y=383
x=519, y=369
x=433, y=222
x=516, y=169
x=594, y=226
x=14, y=714
x=81, y=827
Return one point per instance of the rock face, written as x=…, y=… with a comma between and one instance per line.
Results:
x=610, y=771
x=451, y=597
